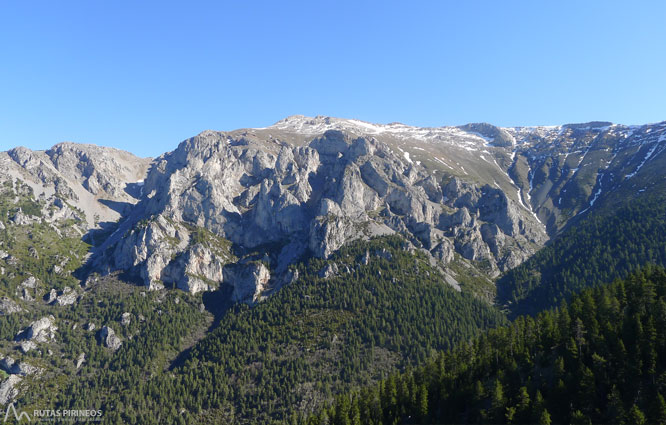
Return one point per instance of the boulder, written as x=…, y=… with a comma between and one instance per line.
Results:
x=51, y=297
x=80, y=360
x=42, y=330
x=67, y=296
x=108, y=337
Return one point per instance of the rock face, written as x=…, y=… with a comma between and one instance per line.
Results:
x=101, y=171
x=109, y=338
x=307, y=199
x=248, y=281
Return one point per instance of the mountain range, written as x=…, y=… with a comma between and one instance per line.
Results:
x=479, y=194
x=240, y=216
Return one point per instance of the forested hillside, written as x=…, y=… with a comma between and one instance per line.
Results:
x=599, y=359
x=599, y=249
x=384, y=308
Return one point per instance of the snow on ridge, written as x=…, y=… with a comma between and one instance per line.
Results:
x=319, y=124
x=453, y=135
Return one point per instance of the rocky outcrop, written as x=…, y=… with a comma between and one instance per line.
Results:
x=8, y=390
x=42, y=330
x=497, y=136
x=329, y=270
x=203, y=269
x=108, y=337
x=248, y=281
x=149, y=248
x=51, y=297
x=80, y=360
x=444, y=251
x=21, y=219
x=67, y=296
x=9, y=306
x=162, y=251
x=26, y=346
x=11, y=366
x=30, y=283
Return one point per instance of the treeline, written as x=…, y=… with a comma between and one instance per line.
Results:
x=599, y=249
x=599, y=359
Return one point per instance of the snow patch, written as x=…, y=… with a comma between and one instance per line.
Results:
x=647, y=157
x=442, y=162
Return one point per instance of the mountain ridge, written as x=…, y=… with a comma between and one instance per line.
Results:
x=476, y=194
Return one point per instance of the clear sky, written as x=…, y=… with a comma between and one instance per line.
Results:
x=144, y=75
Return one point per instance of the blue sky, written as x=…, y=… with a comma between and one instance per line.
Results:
x=143, y=76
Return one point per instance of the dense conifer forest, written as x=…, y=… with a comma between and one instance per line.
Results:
x=599, y=359
x=595, y=251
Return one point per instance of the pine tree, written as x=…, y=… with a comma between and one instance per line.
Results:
x=635, y=416
x=615, y=409
x=544, y=418
x=423, y=403
x=497, y=401
x=658, y=410
x=579, y=418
